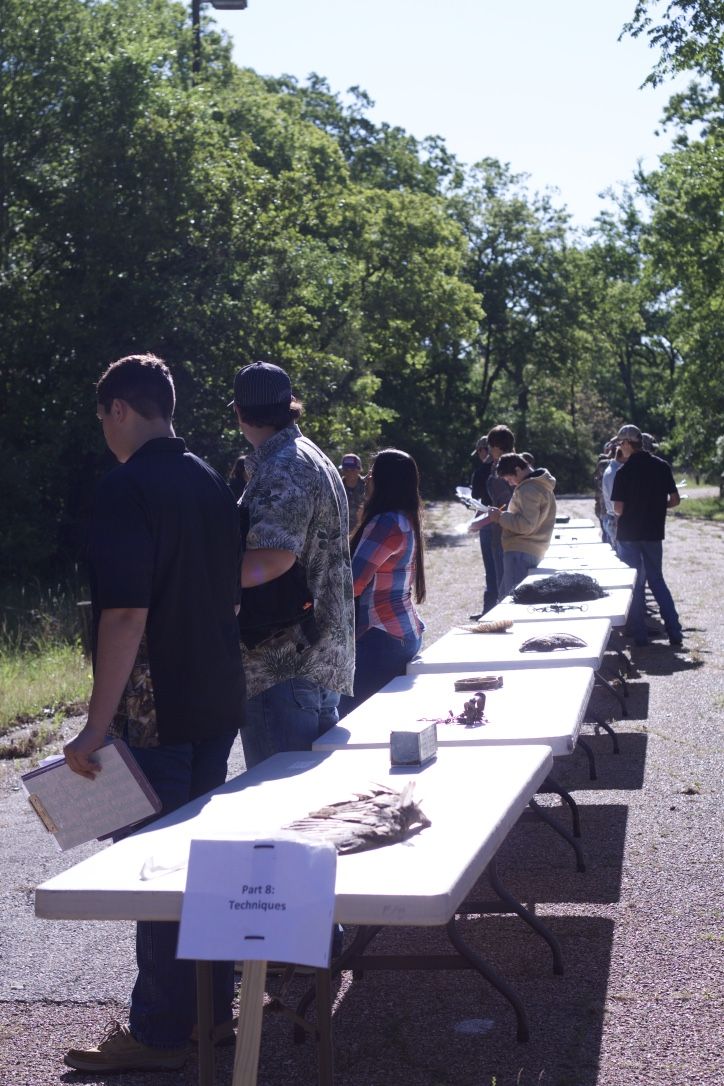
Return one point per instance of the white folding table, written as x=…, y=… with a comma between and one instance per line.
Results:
x=536, y=706
x=459, y=650
x=539, y=706
x=614, y=606
x=563, y=534
x=466, y=794
x=584, y=560
x=573, y=523
x=586, y=547
x=472, y=797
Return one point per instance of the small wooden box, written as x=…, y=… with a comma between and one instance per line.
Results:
x=413, y=745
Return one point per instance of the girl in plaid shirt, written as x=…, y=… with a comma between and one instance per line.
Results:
x=387, y=567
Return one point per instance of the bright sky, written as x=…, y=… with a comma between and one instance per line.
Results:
x=541, y=84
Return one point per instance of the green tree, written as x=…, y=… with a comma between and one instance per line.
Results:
x=686, y=200
x=685, y=244
x=518, y=265
x=213, y=220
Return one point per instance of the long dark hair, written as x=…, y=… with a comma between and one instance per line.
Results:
x=396, y=489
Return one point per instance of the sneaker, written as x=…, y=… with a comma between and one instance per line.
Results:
x=475, y=618
x=120, y=1051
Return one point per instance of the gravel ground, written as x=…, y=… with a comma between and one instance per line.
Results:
x=640, y=1002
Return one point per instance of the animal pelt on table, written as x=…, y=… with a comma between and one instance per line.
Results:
x=559, y=588
x=378, y=817
x=549, y=642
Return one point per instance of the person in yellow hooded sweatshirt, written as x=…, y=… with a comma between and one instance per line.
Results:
x=527, y=523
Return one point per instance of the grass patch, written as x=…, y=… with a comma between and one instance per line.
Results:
x=44, y=674
x=701, y=509
x=40, y=683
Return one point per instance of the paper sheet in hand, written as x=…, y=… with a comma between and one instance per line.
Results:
x=259, y=899
x=464, y=494
x=75, y=809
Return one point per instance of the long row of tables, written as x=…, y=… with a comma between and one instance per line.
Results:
x=473, y=793
x=544, y=695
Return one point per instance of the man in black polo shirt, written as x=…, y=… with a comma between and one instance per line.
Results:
x=643, y=489
x=168, y=679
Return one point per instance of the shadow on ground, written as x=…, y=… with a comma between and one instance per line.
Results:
x=445, y=539
x=622, y=771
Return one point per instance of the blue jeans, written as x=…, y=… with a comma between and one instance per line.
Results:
x=287, y=716
x=646, y=558
x=379, y=658
x=516, y=567
x=487, y=548
x=496, y=550
x=608, y=530
x=163, y=1002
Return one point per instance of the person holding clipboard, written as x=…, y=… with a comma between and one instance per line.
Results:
x=168, y=678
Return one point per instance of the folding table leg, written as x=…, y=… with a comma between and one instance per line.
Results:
x=620, y=650
x=205, y=1022
x=545, y=817
x=612, y=689
x=601, y=723
x=592, y=774
x=552, y=785
x=325, y=1052
x=363, y=937
x=527, y=917
x=492, y=976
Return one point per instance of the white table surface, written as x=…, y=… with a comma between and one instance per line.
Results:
x=459, y=650
x=621, y=576
x=563, y=534
x=576, y=522
x=614, y=606
x=539, y=706
x=472, y=797
x=580, y=546
x=580, y=561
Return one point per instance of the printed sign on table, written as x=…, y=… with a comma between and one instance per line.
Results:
x=254, y=899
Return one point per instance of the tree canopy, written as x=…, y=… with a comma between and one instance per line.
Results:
x=220, y=217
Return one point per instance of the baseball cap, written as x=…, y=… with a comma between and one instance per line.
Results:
x=261, y=384
x=351, y=460
x=629, y=433
x=481, y=443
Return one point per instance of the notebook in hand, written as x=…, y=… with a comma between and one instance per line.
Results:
x=75, y=809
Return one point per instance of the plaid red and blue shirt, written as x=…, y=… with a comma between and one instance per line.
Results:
x=383, y=568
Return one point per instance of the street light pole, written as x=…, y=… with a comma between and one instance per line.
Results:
x=220, y=5
x=196, y=30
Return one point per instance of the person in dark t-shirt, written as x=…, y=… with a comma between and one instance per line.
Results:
x=354, y=487
x=501, y=440
x=643, y=489
x=483, y=464
x=164, y=555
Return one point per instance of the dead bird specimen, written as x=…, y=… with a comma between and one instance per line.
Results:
x=496, y=625
x=378, y=817
x=550, y=642
x=479, y=682
x=472, y=716
x=559, y=608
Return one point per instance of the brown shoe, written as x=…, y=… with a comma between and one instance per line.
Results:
x=120, y=1051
